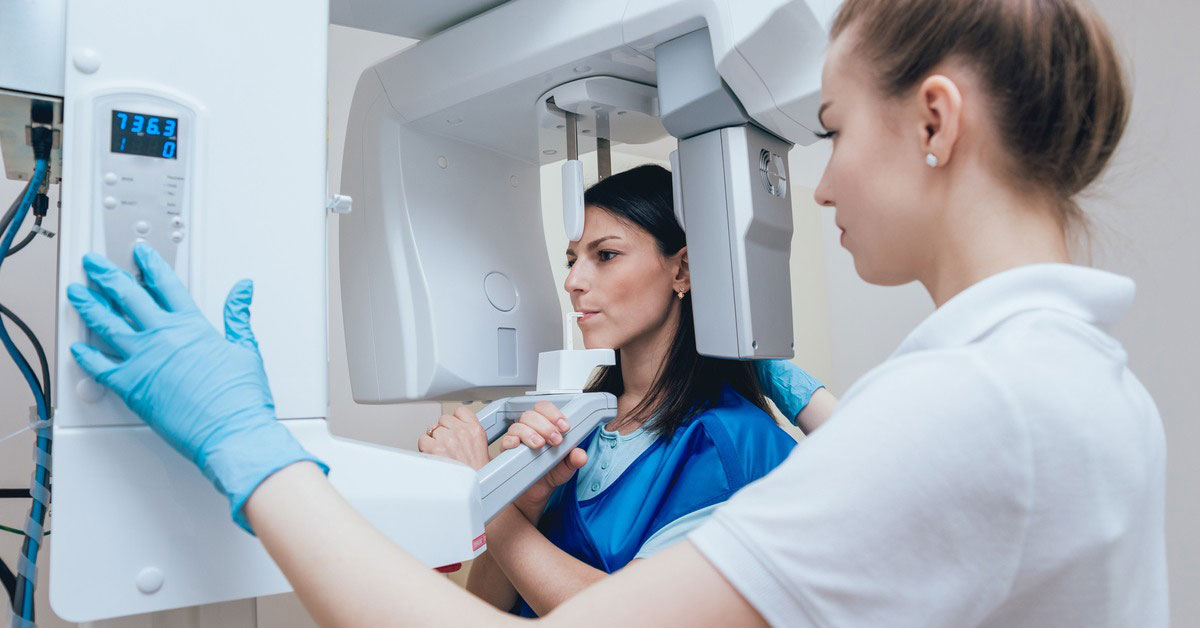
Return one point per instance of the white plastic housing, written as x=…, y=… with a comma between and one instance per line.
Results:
x=572, y=199
x=735, y=196
x=439, y=133
x=446, y=285
x=124, y=502
x=137, y=528
x=151, y=515
x=568, y=370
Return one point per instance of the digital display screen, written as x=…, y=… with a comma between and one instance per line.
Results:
x=141, y=134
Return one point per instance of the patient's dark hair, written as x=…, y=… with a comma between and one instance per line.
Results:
x=687, y=383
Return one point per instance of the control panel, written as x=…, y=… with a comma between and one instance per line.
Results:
x=143, y=156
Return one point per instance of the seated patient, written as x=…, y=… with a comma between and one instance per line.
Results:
x=690, y=430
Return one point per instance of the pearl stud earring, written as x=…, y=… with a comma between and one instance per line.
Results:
x=931, y=160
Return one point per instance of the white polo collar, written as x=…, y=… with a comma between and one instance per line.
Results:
x=1094, y=296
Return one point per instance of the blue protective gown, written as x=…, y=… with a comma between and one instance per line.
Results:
x=706, y=460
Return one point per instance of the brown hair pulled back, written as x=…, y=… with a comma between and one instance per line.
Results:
x=1057, y=89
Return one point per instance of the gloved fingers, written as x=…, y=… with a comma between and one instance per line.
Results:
x=100, y=318
x=123, y=290
x=237, y=314
x=92, y=361
x=161, y=280
x=542, y=425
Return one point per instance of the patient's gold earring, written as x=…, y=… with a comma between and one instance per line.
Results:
x=680, y=294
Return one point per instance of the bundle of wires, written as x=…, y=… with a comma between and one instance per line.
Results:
x=25, y=579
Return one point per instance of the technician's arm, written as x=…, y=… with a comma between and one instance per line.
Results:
x=346, y=573
x=819, y=409
x=489, y=582
x=798, y=395
x=207, y=395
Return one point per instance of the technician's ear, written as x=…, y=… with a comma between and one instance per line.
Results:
x=683, y=276
x=940, y=110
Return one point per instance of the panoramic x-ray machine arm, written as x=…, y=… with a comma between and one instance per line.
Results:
x=204, y=135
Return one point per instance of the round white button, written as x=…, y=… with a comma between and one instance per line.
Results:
x=89, y=390
x=142, y=227
x=111, y=178
x=500, y=291
x=177, y=222
x=177, y=236
x=110, y=201
x=149, y=580
x=87, y=61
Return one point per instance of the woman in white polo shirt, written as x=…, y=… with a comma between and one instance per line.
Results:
x=1004, y=467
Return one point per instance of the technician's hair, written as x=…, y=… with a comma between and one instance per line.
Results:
x=687, y=382
x=1057, y=89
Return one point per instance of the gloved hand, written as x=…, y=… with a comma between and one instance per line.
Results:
x=787, y=385
x=205, y=395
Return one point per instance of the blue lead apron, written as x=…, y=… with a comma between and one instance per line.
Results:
x=704, y=462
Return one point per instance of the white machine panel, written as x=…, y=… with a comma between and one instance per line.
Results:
x=143, y=151
x=152, y=534
x=470, y=99
x=31, y=46
x=738, y=213
x=234, y=190
x=446, y=286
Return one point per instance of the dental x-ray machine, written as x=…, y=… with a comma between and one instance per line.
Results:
x=200, y=128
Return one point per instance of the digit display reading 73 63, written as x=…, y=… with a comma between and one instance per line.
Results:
x=141, y=134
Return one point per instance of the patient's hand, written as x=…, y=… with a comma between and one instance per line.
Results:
x=458, y=436
x=545, y=423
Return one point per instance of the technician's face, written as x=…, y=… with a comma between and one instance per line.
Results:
x=874, y=176
x=619, y=281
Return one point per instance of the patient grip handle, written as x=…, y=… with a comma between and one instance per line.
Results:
x=512, y=473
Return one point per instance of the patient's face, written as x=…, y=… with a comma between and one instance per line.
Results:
x=620, y=281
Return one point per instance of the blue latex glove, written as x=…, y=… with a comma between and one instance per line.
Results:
x=205, y=395
x=787, y=385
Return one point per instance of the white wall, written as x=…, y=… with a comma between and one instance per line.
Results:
x=1148, y=227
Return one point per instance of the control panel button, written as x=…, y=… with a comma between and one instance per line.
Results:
x=176, y=222
x=177, y=237
x=111, y=178
x=142, y=227
x=110, y=202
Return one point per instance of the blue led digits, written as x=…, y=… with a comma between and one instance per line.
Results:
x=142, y=134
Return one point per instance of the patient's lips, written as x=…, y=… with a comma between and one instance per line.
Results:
x=587, y=314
